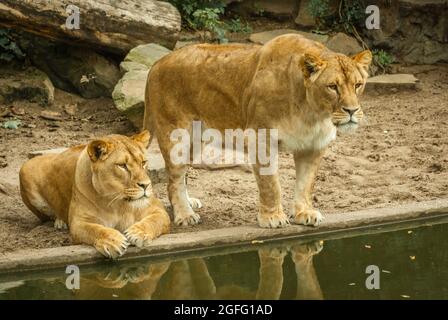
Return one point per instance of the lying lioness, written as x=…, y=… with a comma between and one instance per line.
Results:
x=100, y=191
x=291, y=84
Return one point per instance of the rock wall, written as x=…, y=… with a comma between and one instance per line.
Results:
x=415, y=31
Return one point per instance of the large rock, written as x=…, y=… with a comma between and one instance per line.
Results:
x=129, y=93
x=111, y=25
x=304, y=17
x=391, y=82
x=146, y=54
x=73, y=69
x=343, y=43
x=31, y=85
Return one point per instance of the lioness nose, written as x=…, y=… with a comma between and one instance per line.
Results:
x=350, y=111
x=143, y=185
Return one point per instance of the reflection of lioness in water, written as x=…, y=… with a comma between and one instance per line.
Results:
x=99, y=191
x=191, y=279
x=291, y=84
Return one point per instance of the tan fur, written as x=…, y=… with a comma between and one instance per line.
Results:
x=101, y=191
x=291, y=83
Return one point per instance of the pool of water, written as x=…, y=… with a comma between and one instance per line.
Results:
x=411, y=264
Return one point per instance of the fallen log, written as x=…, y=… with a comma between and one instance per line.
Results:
x=111, y=25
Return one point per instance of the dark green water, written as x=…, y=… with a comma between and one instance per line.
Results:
x=412, y=263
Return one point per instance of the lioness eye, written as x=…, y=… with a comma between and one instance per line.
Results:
x=144, y=163
x=333, y=87
x=123, y=166
x=358, y=85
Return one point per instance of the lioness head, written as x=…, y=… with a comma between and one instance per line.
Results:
x=334, y=83
x=118, y=166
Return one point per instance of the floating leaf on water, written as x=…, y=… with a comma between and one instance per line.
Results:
x=405, y=296
x=352, y=284
x=12, y=124
x=368, y=246
x=257, y=241
x=412, y=257
x=386, y=271
x=410, y=231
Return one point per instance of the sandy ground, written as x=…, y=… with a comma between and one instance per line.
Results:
x=400, y=155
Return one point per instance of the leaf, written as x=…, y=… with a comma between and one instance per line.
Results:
x=12, y=124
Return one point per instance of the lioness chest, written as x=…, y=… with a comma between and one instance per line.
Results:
x=295, y=134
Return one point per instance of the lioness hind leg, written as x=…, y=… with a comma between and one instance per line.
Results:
x=177, y=192
x=177, y=189
x=60, y=224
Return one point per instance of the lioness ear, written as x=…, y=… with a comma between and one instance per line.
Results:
x=311, y=64
x=99, y=149
x=364, y=59
x=142, y=137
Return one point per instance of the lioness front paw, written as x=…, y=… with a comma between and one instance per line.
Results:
x=138, y=236
x=304, y=252
x=187, y=219
x=272, y=253
x=276, y=219
x=307, y=216
x=113, y=245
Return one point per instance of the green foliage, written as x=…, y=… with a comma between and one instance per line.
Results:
x=8, y=47
x=352, y=13
x=340, y=14
x=319, y=9
x=12, y=124
x=207, y=15
x=209, y=19
x=235, y=25
x=382, y=58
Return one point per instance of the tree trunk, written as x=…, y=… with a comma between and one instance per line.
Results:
x=112, y=25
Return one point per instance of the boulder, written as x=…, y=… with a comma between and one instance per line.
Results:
x=304, y=17
x=147, y=54
x=129, y=95
x=30, y=84
x=115, y=26
x=345, y=44
x=263, y=37
x=73, y=69
x=392, y=82
x=127, y=66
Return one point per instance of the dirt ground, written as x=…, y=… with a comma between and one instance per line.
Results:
x=400, y=155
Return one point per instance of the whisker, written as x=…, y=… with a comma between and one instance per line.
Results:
x=114, y=199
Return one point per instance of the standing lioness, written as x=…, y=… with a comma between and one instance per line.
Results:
x=291, y=84
x=98, y=190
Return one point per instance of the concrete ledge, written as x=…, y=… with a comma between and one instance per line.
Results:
x=204, y=240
